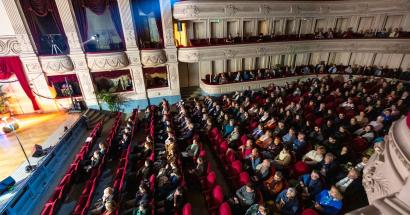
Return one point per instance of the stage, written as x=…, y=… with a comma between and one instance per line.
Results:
x=42, y=129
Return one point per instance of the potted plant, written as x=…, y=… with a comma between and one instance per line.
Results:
x=113, y=100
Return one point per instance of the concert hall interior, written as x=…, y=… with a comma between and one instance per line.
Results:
x=219, y=107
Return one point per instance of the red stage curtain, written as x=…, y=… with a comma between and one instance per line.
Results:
x=40, y=8
x=10, y=65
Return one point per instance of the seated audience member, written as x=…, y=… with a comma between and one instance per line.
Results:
x=200, y=169
x=100, y=206
x=246, y=149
x=123, y=144
x=265, y=140
x=287, y=203
x=262, y=171
x=110, y=208
x=313, y=157
x=329, y=202
x=279, y=130
x=332, y=145
x=273, y=149
x=253, y=160
x=378, y=123
x=395, y=33
x=228, y=128
x=233, y=137
x=284, y=158
x=256, y=209
x=361, y=119
x=360, y=166
x=316, y=136
x=343, y=183
x=275, y=184
x=142, y=197
x=289, y=137
x=257, y=132
x=238, y=38
x=299, y=143
x=245, y=196
x=141, y=210
x=328, y=167
x=229, y=39
x=93, y=162
x=102, y=149
x=146, y=151
x=311, y=184
x=367, y=133
x=187, y=134
x=173, y=203
x=192, y=150
x=353, y=191
x=146, y=171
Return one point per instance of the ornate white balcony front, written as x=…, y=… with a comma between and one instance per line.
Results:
x=107, y=61
x=189, y=10
x=153, y=57
x=9, y=46
x=57, y=64
x=208, y=53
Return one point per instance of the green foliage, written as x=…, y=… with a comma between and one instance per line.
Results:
x=113, y=100
x=4, y=100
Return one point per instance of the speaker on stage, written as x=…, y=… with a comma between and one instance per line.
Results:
x=38, y=151
x=6, y=184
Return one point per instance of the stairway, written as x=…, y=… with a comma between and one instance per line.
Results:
x=190, y=92
x=95, y=116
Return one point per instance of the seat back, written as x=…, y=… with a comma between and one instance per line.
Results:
x=225, y=209
x=187, y=209
x=217, y=195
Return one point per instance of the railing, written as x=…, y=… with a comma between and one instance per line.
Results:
x=27, y=196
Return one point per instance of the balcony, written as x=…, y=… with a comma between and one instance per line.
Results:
x=209, y=53
x=153, y=57
x=107, y=61
x=56, y=64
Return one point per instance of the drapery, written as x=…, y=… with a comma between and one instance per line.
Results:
x=10, y=65
x=62, y=78
x=111, y=74
x=34, y=9
x=149, y=8
x=98, y=7
x=152, y=70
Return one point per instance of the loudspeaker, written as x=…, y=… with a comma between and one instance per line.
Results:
x=37, y=151
x=6, y=184
x=179, y=26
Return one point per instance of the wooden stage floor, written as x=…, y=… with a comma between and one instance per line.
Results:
x=34, y=129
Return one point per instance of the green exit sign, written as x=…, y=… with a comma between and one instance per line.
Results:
x=215, y=20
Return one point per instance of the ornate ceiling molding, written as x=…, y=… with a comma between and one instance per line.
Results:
x=56, y=64
x=107, y=61
x=152, y=58
x=196, y=54
x=188, y=10
x=9, y=46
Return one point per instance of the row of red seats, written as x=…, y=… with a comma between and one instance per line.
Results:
x=212, y=191
x=54, y=203
x=86, y=197
x=121, y=171
x=122, y=166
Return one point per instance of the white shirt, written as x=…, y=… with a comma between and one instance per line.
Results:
x=344, y=183
x=313, y=155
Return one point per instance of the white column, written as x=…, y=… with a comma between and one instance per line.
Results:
x=170, y=49
x=133, y=53
x=76, y=52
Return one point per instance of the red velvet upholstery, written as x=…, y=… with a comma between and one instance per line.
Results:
x=309, y=211
x=225, y=209
x=218, y=195
x=243, y=178
x=187, y=209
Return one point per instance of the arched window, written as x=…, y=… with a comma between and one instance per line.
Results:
x=99, y=23
x=45, y=26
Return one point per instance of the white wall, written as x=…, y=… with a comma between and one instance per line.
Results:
x=5, y=24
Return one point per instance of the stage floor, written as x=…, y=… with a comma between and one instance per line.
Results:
x=34, y=129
